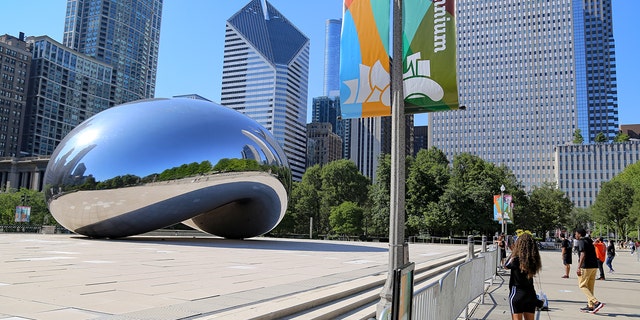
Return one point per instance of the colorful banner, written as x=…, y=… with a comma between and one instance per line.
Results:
x=429, y=56
x=364, y=59
x=502, y=208
x=23, y=214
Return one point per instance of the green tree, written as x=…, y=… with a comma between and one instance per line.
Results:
x=288, y=223
x=377, y=215
x=346, y=218
x=8, y=203
x=579, y=218
x=443, y=218
x=427, y=179
x=341, y=181
x=377, y=218
x=304, y=205
x=24, y=197
x=601, y=138
x=320, y=190
x=467, y=203
x=613, y=204
x=631, y=176
x=577, y=137
x=621, y=137
x=550, y=208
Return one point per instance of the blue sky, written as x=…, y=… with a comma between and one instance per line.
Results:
x=192, y=36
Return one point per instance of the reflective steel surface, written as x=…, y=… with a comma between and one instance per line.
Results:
x=149, y=164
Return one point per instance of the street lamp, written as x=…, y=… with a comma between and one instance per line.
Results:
x=504, y=225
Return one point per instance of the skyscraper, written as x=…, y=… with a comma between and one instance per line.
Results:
x=419, y=139
x=327, y=109
x=66, y=88
x=331, y=85
x=124, y=34
x=265, y=76
x=530, y=74
x=323, y=145
x=15, y=61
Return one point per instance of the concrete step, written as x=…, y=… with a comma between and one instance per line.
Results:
x=333, y=301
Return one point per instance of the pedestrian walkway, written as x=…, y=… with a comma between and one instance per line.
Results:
x=69, y=277
x=620, y=291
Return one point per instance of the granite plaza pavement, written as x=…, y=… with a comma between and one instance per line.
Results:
x=620, y=291
x=72, y=277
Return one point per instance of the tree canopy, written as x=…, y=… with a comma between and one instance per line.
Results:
x=577, y=137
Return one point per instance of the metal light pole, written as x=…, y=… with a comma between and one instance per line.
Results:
x=504, y=223
x=398, y=250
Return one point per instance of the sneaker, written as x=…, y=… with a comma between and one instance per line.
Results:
x=586, y=309
x=597, y=307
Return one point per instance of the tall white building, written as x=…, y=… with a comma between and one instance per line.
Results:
x=265, y=76
x=530, y=73
x=582, y=169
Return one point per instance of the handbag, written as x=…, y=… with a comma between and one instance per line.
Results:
x=543, y=302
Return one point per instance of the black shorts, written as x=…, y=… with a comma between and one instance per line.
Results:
x=521, y=301
x=566, y=259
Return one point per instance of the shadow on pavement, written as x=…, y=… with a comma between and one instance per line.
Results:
x=255, y=243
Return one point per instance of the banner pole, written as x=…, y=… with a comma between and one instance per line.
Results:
x=398, y=249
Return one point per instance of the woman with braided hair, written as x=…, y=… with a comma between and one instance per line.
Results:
x=524, y=264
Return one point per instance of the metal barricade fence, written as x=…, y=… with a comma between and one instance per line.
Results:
x=450, y=296
x=426, y=302
x=490, y=264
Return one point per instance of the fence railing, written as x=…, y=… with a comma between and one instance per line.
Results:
x=450, y=296
x=31, y=228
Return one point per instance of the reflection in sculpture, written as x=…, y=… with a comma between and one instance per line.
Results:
x=150, y=164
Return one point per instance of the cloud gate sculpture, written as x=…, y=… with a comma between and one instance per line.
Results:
x=150, y=164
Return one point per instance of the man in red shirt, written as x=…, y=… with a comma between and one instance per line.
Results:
x=601, y=254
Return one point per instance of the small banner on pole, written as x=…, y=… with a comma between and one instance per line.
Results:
x=503, y=208
x=23, y=214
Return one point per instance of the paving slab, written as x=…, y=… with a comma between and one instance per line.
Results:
x=619, y=291
x=171, y=277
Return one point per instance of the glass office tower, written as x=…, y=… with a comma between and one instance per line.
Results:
x=66, y=89
x=331, y=85
x=122, y=33
x=265, y=76
x=530, y=73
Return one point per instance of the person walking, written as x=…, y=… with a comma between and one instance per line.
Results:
x=601, y=254
x=611, y=253
x=524, y=263
x=565, y=246
x=502, y=244
x=587, y=268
